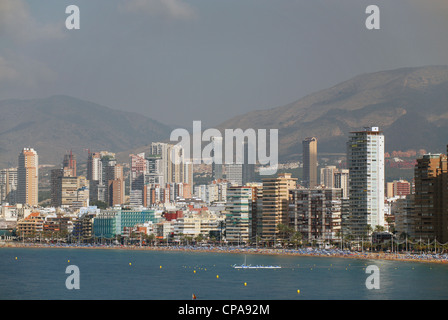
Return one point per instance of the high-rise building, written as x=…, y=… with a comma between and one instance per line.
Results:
x=69, y=164
x=95, y=177
x=332, y=177
x=327, y=176
x=214, y=192
x=238, y=214
x=154, y=173
x=94, y=167
x=188, y=173
x=403, y=212
x=116, y=192
x=102, y=168
x=137, y=173
x=234, y=173
x=431, y=198
x=316, y=213
x=365, y=160
x=27, y=177
x=217, y=172
x=56, y=186
x=242, y=171
x=275, y=205
x=8, y=186
x=257, y=210
x=341, y=178
x=163, y=150
x=68, y=191
x=309, y=151
x=172, y=163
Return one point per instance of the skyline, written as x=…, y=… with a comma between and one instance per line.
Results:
x=178, y=61
x=366, y=173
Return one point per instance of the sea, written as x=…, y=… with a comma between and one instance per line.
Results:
x=105, y=274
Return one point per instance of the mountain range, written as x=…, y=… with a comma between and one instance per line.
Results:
x=410, y=105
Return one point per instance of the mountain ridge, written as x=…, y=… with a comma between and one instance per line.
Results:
x=395, y=100
x=57, y=123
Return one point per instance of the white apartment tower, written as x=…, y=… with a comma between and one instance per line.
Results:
x=365, y=161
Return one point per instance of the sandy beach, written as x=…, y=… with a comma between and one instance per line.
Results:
x=335, y=253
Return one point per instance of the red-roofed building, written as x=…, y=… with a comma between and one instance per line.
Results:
x=31, y=225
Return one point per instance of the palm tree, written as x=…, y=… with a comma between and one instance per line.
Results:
x=369, y=230
x=339, y=235
x=199, y=238
x=151, y=238
x=257, y=240
x=188, y=239
x=285, y=232
x=296, y=238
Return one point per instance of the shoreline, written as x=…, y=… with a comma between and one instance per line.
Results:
x=263, y=251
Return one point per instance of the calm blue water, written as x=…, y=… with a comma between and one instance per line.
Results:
x=106, y=274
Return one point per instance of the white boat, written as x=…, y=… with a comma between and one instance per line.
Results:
x=245, y=266
x=256, y=267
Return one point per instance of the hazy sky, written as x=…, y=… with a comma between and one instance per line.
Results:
x=177, y=61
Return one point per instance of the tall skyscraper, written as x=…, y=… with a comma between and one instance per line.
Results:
x=275, y=205
x=28, y=177
x=365, y=160
x=309, y=151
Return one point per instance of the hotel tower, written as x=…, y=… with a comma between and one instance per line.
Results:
x=365, y=161
x=27, y=177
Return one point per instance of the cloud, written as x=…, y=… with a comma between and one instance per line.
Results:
x=174, y=9
x=17, y=23
x=7, y=72
x=24, y=71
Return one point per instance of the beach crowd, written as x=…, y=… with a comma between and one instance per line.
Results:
x=308, y=251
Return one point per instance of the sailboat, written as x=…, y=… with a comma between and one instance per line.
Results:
x=245, y=266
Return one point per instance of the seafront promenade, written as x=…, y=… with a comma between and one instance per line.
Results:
x=312, y=252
